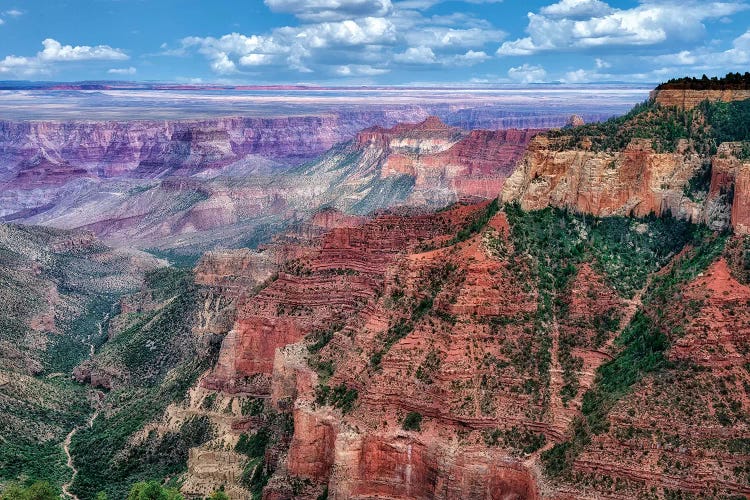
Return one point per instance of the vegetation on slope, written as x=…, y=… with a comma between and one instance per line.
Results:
x=74, y=286
x=275, y=432
x=555, y=243
x=159, y=360
x=732, y=81
x=641, y=350
x=704, y=127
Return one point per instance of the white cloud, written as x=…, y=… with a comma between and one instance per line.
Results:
x=527, y=74
x=470, y=58
x=573, y=9
x=586, y=24
x=351, y=38
x=416, y=55
x=13, y=13
x=708, y=58
x=2, y=22
x=54, y=53
x=331, y=10
x=122, y=71
x=439, y=36
x=290, y=46
x=426, y=4
x=360, y=70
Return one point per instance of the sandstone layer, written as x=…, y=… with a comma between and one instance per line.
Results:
x=635, y=182
x=689, y=99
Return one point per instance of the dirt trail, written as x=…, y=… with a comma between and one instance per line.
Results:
x=69, y=438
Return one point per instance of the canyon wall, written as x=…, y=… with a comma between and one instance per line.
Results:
x=377, y=320
x=636, y=181
x=689, y=99
x=426, y=164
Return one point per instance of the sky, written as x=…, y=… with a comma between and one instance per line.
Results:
x=372, y=42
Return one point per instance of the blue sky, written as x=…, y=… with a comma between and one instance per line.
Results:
x=343, y=42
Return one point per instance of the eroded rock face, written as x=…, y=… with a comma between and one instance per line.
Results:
x=51, y=153
x=234, y=271
x=344, y=312
x=212, y=189
x=636, y=181
x=334, y=277
x=670, y=420
x=688, y=99
x=741, y=204
x=402, y=467
x=438, y=157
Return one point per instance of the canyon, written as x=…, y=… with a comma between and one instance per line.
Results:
x=374, y=321
x=419, y=311
x=215, y=196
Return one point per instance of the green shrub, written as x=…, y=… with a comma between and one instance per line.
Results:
x=219, y=495
x=40, y=490
x=153, y=491
x=340, y=396
x=412, y=421
x=253, y=446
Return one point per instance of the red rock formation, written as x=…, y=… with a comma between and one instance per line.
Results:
x=636, y=181
x=341, y=273
x=682, y=430
x=442, y=158
x=465, y=368
x=234, y=271
x=741, y=203
x=688, y=99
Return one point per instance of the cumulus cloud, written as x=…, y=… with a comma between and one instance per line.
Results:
x=350, y=38
x=573, y=9
x=426, y=4
x=360, y=70
x=470, y=58
x=416, y=55
x=290, y=46
x=331, y=10
x=708, y=58
x=527, y=74
x=587, y=24
x=122, y=71
x=54, y=53
x=440, y=36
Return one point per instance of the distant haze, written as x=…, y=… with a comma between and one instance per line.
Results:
x=150, y=104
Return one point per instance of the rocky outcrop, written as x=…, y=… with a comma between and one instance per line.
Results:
x=423, y=164
x=339, y=273
x=637, y=181
x=234, y=271
x=689, y=98
x=53, y=153
x=684, y=430
x=741, y=200
x=405, y=467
